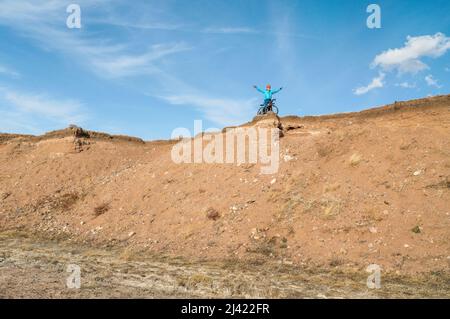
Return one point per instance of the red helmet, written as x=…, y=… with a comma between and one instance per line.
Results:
x=268, y=87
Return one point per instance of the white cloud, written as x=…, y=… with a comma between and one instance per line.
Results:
x=60, y=111
x=406, y=85
x=376, y=83
x=432, y=82
x=407, y=58
x=220, y=111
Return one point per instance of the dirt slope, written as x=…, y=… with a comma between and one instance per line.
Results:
x=352, y=189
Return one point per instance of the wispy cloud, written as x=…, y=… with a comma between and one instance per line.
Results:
x=62, y=111
x=13, y=121
x=44, y=22
x=377, y=82
x=122, y=56
x=9, y=71
x=145, y=25
x=229, y=30
x=278, y=33
x=407, y=59
x=432, y=82
x=111, y=59
x=15, y=11
x=218, y=110
x=406, y=85
x=282, y=27
x=121, y=65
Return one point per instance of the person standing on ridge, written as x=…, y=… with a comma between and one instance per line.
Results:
x=268, y=93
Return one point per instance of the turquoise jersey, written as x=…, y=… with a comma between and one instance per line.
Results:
x=268, y=93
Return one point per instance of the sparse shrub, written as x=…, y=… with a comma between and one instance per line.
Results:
x=101, y=209
x=283, y=242
x=264, y=247
x=66, y=201
x=416, y=230
x=336, y=261
x=57, y=202
x=213, y=214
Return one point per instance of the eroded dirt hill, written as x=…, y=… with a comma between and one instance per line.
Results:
x=352, y=189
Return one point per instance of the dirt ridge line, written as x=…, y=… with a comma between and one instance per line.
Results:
x=397, y=107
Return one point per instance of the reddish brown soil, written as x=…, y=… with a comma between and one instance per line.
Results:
x=359, y=188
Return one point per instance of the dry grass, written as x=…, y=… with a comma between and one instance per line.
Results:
x=331, y=206
x=55, y=203
x=109, y=276
x=355, y=159
x=336, y=261
x=373, y=215
x=331, y=187
x=264, y=247
x=323, y=150
x=296, y=202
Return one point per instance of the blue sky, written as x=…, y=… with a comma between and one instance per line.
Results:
x=144, y=68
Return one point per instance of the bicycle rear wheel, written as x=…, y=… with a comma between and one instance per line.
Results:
x=275, y=109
